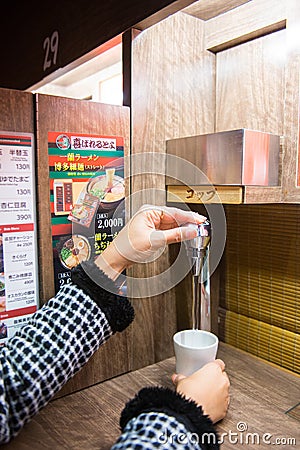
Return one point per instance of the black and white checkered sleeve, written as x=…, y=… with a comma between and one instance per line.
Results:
x=158, y=418
x=54, y=345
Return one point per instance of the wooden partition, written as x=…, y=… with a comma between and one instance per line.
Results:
x=16, y=111
x=173, y=95
x=211, y=67
x=69, y=115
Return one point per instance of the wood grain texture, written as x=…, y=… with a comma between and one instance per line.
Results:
x=16, y=111
x=160, y=15
x=207, y=9
x=205, y=194
x=258, y=84
x=291, y=190
x=250, y=86
x=262, y=195
x=247, y=19
x=251, y=94
x=68, y=115
x=174, y=87
x=260, y=395
x=173, y=95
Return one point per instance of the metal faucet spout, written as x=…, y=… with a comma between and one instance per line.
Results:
x=197, y=252
x=196, y=248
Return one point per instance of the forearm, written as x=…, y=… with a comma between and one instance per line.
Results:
x=57, y=341
x=161, y=418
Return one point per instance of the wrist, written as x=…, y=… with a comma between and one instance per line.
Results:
x=162, y=400
x=111, y=262
x=104, y=293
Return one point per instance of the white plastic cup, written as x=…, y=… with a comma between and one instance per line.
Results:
x=193, y=349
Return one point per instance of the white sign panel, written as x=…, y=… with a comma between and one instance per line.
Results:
x=18, y=240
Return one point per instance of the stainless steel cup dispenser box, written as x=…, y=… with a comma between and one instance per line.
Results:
x=239, y=157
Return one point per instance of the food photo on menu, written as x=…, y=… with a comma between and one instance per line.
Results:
x=74, y=250
x=103, y=191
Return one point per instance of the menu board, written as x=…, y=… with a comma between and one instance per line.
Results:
x=18, y=241
x=87, y=192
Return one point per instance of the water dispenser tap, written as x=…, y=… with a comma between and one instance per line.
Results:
x=196, y=248
x=197, y=252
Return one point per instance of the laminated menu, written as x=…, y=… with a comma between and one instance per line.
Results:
x=18, y=240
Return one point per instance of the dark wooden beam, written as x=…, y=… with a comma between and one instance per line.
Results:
x=37, y=39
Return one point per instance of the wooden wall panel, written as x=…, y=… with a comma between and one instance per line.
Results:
x=258, y=88
x=63, y=114
x=250, y=85
x=248, y=19
x=251, y=94
x=173, y=79
x=207, y=9
x=16, y=111
x=173, y=96
x=266, y=89
x=291, y=192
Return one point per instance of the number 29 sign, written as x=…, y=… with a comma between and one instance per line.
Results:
x=50, y=46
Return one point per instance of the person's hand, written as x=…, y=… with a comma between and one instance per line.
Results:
x=208, y=387
x=149, y=230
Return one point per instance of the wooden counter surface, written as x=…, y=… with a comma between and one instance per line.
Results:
x=261, y=394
